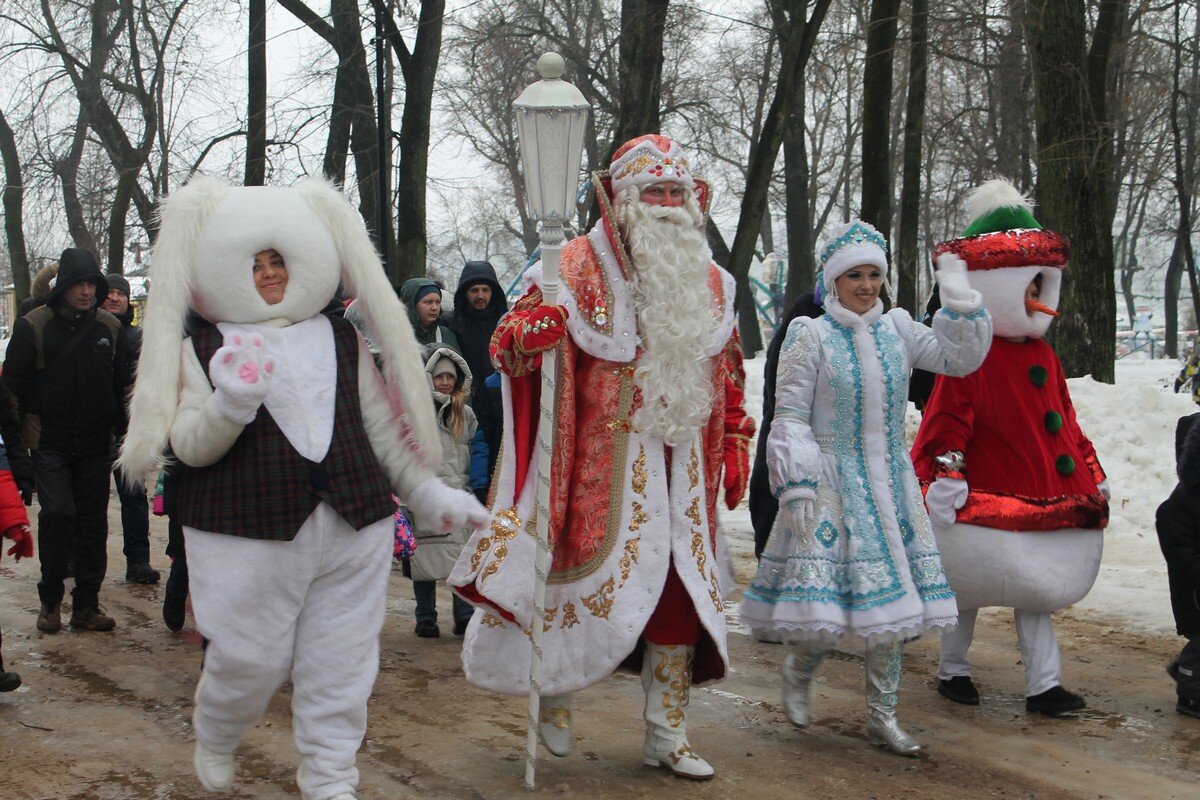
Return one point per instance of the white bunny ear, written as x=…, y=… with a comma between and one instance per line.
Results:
x=364, y=278
x=182, y=217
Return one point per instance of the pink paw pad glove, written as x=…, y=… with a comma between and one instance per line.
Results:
x=240, y=372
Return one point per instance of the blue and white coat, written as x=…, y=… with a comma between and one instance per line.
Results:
x=868, y=564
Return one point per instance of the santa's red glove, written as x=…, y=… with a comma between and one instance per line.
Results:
x=541, y=330
x=22, y=541
x=737, y=463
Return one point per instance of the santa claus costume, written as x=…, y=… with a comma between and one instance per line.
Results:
x=649, y=408
x=851, y=552
x=1015, y=491
x=290, y=443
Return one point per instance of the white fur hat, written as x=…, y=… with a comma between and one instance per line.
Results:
x=852, y=245
x=203, y=259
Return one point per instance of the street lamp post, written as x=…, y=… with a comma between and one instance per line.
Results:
x=551, y=117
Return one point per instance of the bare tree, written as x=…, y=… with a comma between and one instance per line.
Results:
x=256, y=96
x=14, y=210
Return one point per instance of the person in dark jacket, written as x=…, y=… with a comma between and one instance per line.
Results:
x=479, y=303
x=135, y=507
x=39, y=289
x=763, y=505
x=62, y=366
x=423, y=299
x=1178, y=523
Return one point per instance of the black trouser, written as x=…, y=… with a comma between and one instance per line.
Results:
x=1188, y=684
x=135, y=521
x=73, y=494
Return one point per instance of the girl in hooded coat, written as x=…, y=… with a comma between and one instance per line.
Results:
x=463, y=449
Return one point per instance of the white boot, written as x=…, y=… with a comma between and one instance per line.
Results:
x=883, y=694
x=554, y=723
x=798, y=670
x=215, y=770
x=667, y=680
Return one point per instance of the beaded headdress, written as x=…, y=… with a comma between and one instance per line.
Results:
x=853, y=245
x=648, y=159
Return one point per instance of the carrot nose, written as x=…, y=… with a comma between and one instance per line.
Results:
x=1032, y=306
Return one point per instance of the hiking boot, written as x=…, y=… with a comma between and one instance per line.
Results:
x=91, y=619
x=428, y=630
x=1054, y=701
x=49, y=619
x=960, y=689
x=141, y=573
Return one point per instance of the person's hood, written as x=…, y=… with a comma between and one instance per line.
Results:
x=77, y=265
x=435, y=353
x=39, y=289
x=476, y=272
x=408, y=296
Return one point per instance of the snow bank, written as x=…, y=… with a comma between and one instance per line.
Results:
x=1132, y=425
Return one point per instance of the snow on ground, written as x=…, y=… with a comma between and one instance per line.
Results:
x=1132, y=425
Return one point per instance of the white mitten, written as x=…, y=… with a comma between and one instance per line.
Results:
x=955, y=289
x=799, y=514
x=443, y=509
x=241, y=377
x=944, y=498
x=1102, y=486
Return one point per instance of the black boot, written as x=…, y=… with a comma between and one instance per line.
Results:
x=175, y=596
x=1188, y=706
x=960, y=689
x=8, y=680
x=1054, y=701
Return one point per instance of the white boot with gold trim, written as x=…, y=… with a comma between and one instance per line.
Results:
x=667, y=679
x=554, y=723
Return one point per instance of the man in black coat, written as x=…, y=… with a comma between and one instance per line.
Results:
x=1178, y=523
x=62, y=365
x=479, y=303
x=135, y=508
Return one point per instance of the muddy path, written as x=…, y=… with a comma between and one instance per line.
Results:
x=107, y=715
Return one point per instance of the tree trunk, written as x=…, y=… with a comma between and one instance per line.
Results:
x=256, y=95
x=67, y=171
x=418, y=70
x=1073, y=143
x=117, y=217
x=1183, y=259
x=910, y=192
x=802, y=258
x=797, y=48
x=14, y=211
x=640, y=69
x=876, y=205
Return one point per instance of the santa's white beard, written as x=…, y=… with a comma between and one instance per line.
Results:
x=675, y=317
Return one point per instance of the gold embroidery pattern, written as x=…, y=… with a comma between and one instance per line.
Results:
x=505, y=525
x=570, y=619
x=601, y=601
x=639, y=472
x=616, y=497
x=548, y=616
x=694, y=471
x=628, y=558
x=674, y=669
x=638, y=518
x=492, y=621
x=558, y=717
x=693, y=513
x=698, y=551
x=714, y=593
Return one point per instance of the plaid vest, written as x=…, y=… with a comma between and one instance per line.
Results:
x=263, y=489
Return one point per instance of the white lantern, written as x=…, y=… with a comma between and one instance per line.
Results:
x=551, y=118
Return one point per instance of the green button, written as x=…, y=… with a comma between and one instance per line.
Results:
x=1053, y=421
x=1065, y=465
x=1037, y=375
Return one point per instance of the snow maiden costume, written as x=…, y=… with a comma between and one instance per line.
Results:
x=290, y=443
x=851, y=552
x=1015, y=491
x=635, y=573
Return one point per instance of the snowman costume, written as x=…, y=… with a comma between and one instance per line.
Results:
x=1016, y=494
x=291, y=443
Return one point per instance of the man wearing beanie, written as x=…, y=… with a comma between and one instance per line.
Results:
x=648, y=413
x=62, y=364
x=135, y=507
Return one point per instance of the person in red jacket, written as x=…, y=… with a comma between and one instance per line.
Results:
x=15, y=526
x=1015, y=492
